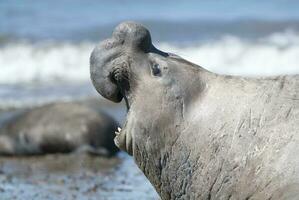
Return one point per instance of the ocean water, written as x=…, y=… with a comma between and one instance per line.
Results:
x=45, y=45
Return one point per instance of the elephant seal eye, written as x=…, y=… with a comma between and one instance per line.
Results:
x=156, y=69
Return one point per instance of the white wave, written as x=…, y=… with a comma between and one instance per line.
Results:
x=275, y=55
x=35, y=63
x=27, y=63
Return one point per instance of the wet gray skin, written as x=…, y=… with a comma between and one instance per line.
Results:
x=60, y=127
x=196, y=134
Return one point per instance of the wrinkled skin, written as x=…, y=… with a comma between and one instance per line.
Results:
x=196, y=134
x=58, y=128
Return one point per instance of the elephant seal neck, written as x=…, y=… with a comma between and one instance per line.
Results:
x=158, y=128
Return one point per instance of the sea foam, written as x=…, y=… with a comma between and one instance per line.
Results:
x=47, y=62
x=275, y=55
x=23, y=63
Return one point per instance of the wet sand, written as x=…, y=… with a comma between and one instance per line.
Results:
x=72, y=176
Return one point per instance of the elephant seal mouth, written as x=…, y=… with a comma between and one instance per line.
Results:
x=123, y=139
x=120, y=77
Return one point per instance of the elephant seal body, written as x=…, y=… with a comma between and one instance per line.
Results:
x=196, y=134
x=58, y=128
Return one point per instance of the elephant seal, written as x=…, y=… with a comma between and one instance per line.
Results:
x=58, y=128
x=196, y=134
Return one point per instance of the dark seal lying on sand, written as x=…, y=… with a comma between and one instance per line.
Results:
x=58, y=128
x=196, y=134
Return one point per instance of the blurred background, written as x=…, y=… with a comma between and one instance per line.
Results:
x=45, y=45
x=45, y=48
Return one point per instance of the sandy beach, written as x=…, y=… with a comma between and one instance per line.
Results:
x=74, y=176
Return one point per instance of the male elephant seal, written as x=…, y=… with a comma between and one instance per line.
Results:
x=58, y=128
x=196, y=134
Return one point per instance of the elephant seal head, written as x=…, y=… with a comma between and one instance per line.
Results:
x=156, y=86
x=111, y=61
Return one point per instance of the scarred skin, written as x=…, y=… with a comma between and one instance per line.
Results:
x=196, y=134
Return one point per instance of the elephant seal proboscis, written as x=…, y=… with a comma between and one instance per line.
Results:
x=196, y=134
x=58, y=128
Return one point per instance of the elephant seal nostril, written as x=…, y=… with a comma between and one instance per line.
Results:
x=112, y=78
